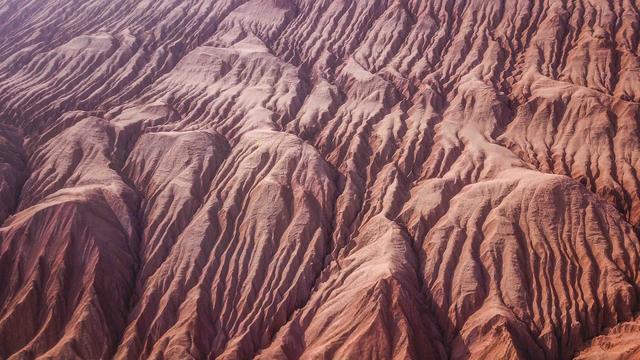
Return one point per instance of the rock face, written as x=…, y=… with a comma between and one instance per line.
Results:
x=348, y=179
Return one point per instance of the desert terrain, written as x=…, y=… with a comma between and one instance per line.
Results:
x=319, y=179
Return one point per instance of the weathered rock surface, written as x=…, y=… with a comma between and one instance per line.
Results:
x=283, y=179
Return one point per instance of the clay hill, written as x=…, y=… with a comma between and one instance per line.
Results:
x=319, y=179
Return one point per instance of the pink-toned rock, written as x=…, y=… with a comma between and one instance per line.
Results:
x=284, y=179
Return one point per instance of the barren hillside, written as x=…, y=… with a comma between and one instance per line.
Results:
x=319, y=179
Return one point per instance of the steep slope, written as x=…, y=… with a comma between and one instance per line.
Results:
x=319, y=179
x=69, y=254
x=12, y=170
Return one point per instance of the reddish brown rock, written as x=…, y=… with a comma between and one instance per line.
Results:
x=286, y=179
x=12, y=170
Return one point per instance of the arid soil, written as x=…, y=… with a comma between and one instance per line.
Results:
x=319, y=179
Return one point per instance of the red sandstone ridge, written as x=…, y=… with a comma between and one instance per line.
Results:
x=318, y=179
